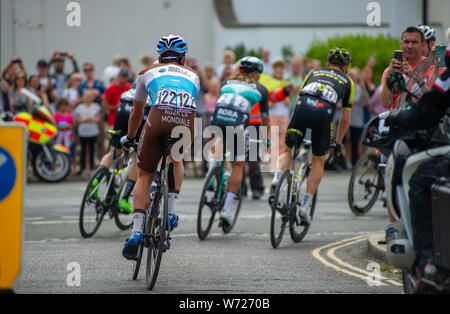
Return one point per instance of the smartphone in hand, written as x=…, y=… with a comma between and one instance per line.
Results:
x=398, y=55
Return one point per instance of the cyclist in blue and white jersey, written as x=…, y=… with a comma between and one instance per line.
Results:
x=173, y=89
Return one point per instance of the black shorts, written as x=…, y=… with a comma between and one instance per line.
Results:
x=122, y=118
x=236, y=121
x=315, y=114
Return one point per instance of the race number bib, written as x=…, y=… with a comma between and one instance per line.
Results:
x=325, y=91
x=236, y=101
x=175, y=98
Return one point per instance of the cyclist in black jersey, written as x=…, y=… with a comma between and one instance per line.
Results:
x=322, y=91
x=121, y=124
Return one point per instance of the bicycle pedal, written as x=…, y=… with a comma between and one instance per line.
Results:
x=223, y=223
x=166, y=245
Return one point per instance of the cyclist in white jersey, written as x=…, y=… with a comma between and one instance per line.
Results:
x=173, y=89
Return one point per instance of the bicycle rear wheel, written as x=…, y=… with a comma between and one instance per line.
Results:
x=159, y=219
x=235, y=206
x=280, y=209
x=363, y=188
x=137, y=263
x=93, y=207
x=208, y=205
x=299, y=231
x=124, y=220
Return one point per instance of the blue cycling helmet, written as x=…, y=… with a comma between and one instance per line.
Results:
x=172, y=43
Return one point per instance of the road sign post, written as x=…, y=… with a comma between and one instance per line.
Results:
x=13, y=161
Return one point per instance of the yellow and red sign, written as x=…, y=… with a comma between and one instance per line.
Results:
x=13, y=153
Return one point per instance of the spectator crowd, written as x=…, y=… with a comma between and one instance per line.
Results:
x=84, y=103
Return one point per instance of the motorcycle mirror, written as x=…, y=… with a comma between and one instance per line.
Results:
x=395, y=82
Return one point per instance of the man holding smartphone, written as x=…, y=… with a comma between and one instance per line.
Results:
x=59, y=77
x=412, y=43
x=405, y=61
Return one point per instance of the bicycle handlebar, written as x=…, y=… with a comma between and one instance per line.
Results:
x=126, y=153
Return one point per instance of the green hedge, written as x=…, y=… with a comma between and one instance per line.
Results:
x=361, y=48
x=241, y=51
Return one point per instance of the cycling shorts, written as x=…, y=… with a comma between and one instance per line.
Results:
x=315, y=114
x=122, y=119
x=238, y=143
x=161, y=122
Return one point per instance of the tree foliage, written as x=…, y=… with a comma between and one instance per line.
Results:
x=361, y=47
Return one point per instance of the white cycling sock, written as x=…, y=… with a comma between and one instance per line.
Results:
x=212, y=164
x=277, y=175
x=138, y=219
x=172, y=199
x=228, y=201
x=307, y=201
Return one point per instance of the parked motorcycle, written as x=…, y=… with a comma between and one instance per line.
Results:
x=407, y=150
x=51, y=163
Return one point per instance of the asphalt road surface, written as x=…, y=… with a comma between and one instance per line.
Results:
x=333, y=257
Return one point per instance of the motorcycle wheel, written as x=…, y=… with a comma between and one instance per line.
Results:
x=51, y=172
x=408, y=285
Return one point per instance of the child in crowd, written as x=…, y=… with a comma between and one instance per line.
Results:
x=87, y=116
x=65, y=123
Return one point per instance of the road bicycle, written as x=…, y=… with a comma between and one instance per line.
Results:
x=289, y=193
x=366, y=182
x=102, y=194
x=156, y=232
x=212, y=200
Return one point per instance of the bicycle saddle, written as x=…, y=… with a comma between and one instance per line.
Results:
x=167, y=140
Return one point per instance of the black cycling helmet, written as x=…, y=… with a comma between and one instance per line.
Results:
x=339, y=56
x=251, y=64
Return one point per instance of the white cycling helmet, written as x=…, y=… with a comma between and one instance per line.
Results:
x=428, y=32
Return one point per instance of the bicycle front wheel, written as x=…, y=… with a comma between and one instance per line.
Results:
x=207, y=207
x=363, y=188
x=93, y=206
x=159, y=219
x=280, y=209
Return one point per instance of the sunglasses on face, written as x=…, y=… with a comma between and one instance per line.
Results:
x=88, y=70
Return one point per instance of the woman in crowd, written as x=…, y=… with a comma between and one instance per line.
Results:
x=71, y=90
x=18, y=102
x=34, y=86
x=228, y=59
x=360, y=101
x=279, y=110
